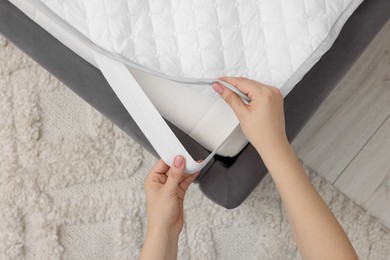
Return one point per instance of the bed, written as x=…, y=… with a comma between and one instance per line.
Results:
x=231, y=176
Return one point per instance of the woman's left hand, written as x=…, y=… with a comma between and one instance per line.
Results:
x=165, y=190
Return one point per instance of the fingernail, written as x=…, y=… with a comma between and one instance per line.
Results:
x=178, y=161
x=218, y=88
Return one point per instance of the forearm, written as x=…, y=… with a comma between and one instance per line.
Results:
x=160, y=245
x=317, y=232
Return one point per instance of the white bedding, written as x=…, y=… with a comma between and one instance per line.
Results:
x=272, y=41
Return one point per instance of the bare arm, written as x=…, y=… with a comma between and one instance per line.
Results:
x=315, y=229
x=165, y=189
x=160, y=245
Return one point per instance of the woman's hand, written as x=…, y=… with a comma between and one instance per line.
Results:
x=165, y=189
x=316, y=231
x=262, y=120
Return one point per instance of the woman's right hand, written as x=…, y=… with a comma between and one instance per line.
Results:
x=316, y=231
x=262, y=120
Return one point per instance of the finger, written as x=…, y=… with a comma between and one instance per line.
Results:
x=158, y=170
x=188, y=180
x=154, y=178
x=175, y=173
x=231, y=98
x=183, y=186
x=160, y=167
x=159, y=178
x=244, y=85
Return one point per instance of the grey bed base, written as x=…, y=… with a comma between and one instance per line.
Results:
x=226, y=181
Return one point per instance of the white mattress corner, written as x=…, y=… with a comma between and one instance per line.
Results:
x=205, y=117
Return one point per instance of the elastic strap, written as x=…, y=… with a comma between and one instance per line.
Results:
x=146, y=115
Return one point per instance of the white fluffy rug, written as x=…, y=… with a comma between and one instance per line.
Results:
x=71, y=187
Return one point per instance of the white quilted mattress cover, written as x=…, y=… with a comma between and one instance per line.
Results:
x=273, y=41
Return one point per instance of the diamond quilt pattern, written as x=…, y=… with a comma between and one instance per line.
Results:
x=266, y=40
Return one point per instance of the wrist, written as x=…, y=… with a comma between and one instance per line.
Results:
x=279, y=154
x=162, y=233
x=272, y=147
x=276, y=152
x=160, y=244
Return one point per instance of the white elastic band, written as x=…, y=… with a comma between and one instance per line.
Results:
x=146, y=115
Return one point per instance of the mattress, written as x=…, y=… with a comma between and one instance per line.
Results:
x=275, y=42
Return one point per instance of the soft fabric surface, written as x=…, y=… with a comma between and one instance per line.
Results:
x=71, y=187
x=240, y=38
x=269, y=41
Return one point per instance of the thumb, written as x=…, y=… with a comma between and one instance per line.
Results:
x=231, y=98
x=175, y=173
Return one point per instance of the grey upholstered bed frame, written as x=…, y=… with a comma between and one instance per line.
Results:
x=227, y=181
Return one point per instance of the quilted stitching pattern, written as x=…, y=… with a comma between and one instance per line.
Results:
x=267, y=40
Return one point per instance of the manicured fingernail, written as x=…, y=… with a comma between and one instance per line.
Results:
x=178, y=161
x=218, y=88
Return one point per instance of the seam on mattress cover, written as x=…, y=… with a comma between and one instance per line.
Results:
x=309, y=30
x=289, y=46
x=176, y=41
x=154, y=42
x=198, y=39
x=243, y=43
x=321, y=49
x=287, y=86
x=131, y=29
x=107, y=22
x=87, y=18
x=220, y=35
x=85, y=40
x=263, y=33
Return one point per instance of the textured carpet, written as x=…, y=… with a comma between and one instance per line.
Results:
x=71, y=187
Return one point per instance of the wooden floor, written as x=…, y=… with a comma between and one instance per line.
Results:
x=347, y=141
